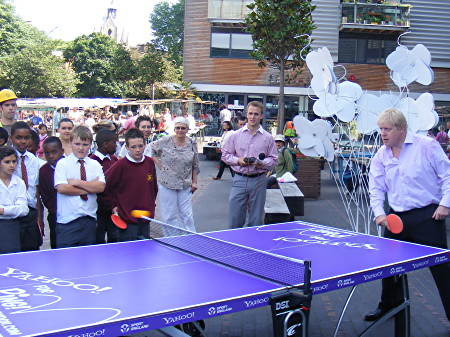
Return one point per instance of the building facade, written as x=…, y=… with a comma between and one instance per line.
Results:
x=358, y=34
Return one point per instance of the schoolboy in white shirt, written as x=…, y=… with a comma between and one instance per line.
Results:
x=78, y=179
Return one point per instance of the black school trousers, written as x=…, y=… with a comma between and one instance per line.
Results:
x=419, y=227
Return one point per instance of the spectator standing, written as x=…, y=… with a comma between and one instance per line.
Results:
x=251, y=153
x=106, y=147
x=28, y=171
x=65, y=127
x=227, y=131
x=53, y=152
x=8, y=107
x=13, y=202
x=78, y=179
x=177, y=158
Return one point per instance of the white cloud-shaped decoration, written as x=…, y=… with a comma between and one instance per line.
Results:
x=315, y=138
x=342, y=103
x=369, y=108
x=320, y=63
x=408, y=66
x=419, y=113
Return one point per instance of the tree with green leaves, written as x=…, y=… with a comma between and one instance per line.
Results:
x=103, y=67
x=280, y=30
x=27, y=62
x=167, y=23
x=153, y=71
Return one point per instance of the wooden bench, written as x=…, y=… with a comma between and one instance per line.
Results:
x=275, y=208
x=294, y=198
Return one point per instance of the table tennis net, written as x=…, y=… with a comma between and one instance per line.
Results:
x=268, y=266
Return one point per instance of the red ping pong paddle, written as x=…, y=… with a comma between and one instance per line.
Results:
x=395, y=223
x=118, y=221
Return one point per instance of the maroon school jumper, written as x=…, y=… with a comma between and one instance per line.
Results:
x=104, y=200
x=133, y=186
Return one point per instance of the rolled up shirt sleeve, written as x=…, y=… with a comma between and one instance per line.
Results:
x=377, y=186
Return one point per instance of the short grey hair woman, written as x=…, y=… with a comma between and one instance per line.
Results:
x=177, y=158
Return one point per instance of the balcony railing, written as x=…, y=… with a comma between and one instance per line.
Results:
x=228, y=9
x=375, y=14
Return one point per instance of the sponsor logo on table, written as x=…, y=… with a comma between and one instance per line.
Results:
x=252, y=303
x=324, y=241
x=345, y=282
x=180, y=317
x=440, y=259
x=25, y=276
x=9, y=327
x=373, y=275
x=398, y=270
x=421, y=264
x=100, y=332
x=219, y=310
x=320, y=288
x=133, y=327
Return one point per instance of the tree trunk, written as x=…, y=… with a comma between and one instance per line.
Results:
x=280, y=117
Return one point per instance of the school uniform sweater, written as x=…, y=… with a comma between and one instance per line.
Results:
x=133, y=186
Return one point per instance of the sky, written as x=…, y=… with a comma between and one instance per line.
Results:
x=66, y=20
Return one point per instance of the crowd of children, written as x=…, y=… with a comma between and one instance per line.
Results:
x=71, y=185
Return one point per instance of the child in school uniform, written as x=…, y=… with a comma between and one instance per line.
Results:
x=106, y=147
x=13, y=201
x=53, y=152
x=143, y=124
x=78, y=179
x=3, y=136
x=28, y=170
x=133, y=186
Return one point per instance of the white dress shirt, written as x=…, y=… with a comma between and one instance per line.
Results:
x=13, y=198
x=71, y=207
x=32, y=165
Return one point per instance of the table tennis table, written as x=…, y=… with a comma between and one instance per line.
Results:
x=124, y=288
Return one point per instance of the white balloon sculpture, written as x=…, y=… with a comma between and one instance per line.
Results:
x=351, y=108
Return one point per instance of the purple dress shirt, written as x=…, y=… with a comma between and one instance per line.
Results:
x=242, y=144
x=418, y=178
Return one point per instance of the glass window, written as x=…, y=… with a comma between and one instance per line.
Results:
x=230, y=43
x=365, y=49
x=241, y=45
x=220, y=44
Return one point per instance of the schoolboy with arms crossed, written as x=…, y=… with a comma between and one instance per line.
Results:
x=53, y=152
x=104, y=155
x=13, y=201
x=132, y=184
x=78, y=179
x=28, y=170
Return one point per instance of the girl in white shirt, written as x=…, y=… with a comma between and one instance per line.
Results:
x=13, y=201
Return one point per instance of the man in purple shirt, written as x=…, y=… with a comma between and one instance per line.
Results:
x=415, y=173
x=251, y=152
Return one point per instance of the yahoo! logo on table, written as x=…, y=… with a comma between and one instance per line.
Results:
x=373, y=275
x=181, y=317
x=100, y=332
x=252, y=303
x=22, y=275
x=320, y=288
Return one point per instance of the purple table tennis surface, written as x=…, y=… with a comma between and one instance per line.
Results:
x=124, y=288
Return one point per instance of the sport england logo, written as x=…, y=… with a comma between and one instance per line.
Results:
x=125, y=328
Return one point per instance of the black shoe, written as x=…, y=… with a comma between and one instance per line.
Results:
x=374, y=315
